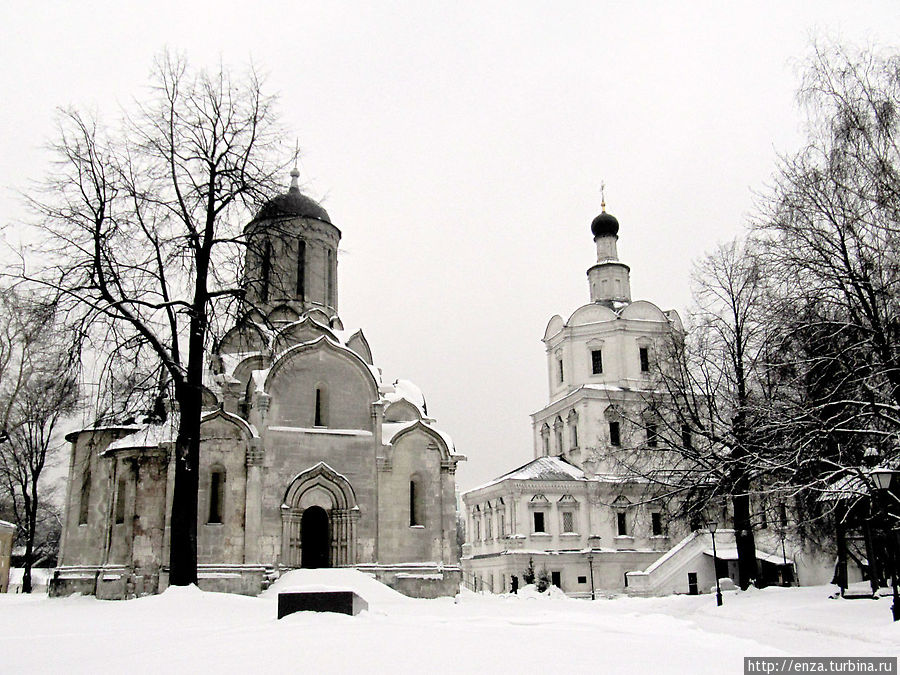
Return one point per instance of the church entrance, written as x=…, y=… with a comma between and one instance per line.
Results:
x=315, y=538
x=319, y=516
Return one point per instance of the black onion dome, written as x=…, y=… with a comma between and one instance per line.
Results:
x=604, y=224
x=293, y=204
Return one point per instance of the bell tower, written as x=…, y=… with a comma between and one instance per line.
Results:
x=609, y=279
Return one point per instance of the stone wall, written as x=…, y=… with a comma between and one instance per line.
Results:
x=414, y=457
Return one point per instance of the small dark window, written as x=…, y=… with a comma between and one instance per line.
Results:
x=656, y=522
x=614, y=436
x=266, y=270
x=582, y=580
x=120, y=501
x=556, y=579
x=539, y=521
x=596, y=361
x=84, y=505
x=782, y=514
x=686, y=441
x=568, y=521
x=546, y=444
x=216, y=495
x=696, y=522
x=652, y=435
x=574, y=435
x=763, y=518
x=321, y=405
x=562, y=377
x=414, y=507
x=621, y=525
x=301, y=269
x=645, y=360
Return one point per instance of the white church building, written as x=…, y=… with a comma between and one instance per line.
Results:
x=308, y=456
x=576, y=510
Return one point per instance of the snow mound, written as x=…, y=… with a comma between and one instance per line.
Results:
x=530, y=591
x=369, y=589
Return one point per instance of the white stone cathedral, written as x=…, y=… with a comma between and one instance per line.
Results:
x=574, y=510
x=308, y=458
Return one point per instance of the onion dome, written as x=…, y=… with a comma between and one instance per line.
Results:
x=293, y=204
x=604, y=224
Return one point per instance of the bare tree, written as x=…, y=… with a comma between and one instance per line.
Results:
x=38, y=389
x=833, y=223
x=708, y=403
x=142, y=240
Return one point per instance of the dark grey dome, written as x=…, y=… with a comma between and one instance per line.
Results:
x=293, y=204
x=604, y=224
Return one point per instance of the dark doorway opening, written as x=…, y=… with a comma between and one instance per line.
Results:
x=315, y=539
x=693, y=586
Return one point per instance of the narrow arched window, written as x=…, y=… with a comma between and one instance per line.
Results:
x=266, y=270
x=85, y=496
x=321, y=413
x=216, y=495
x=329, y=278
x=415, y=504
x=301, y=269
x=120, y=500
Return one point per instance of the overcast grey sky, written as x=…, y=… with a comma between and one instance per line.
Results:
x=460, y=147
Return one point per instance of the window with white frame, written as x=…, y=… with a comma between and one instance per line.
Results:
x=596, y=362
x=645, y=359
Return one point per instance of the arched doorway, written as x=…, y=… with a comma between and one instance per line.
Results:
x=319, y=515
x=315, y=538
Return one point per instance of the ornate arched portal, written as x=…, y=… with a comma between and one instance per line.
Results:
x=319, y=513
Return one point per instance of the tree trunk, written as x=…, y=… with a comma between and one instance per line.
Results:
x=743, y=534
x=31, y=519
x=183, y=553
x=183, y=541
x=840, y=573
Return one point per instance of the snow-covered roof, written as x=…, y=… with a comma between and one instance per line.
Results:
x=407, y=391
x=147, y=436
x=542, y=468
x=72, y=435
x=390, y=430
x=7, y=525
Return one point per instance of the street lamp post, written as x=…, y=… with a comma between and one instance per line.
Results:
x=590, y=559
x=711, y=526
x=882, y=479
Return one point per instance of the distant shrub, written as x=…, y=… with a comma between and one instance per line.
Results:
x=528, y=574
x=542, y=580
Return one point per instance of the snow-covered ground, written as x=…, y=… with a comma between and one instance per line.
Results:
x=186, y=630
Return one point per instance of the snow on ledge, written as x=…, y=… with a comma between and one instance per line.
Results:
x=322, y=430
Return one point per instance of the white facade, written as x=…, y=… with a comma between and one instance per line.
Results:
x=574, y=509
x=580, y=508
